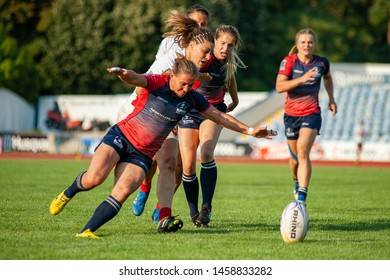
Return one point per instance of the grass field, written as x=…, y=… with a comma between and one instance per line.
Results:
x=349, y=210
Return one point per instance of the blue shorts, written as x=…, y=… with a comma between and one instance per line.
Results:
x=193, y=118
x=126, y=151
x=294, y=124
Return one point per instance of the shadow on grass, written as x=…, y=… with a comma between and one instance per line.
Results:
x=237, y=227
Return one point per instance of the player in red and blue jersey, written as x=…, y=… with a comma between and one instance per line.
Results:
x=196, y=131
x=130, y=145
x=187, y=37
x=300, y=76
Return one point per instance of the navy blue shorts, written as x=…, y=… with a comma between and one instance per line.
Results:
x=126, y=151
x=293, y=124
x=193, y=118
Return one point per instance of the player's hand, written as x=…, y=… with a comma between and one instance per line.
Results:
x=263, y=132
x=121, y=73
x=333, y=107
x=231, y=107
x=116, y=70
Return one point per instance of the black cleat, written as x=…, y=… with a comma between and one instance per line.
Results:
x=169, y=224
x=203, y=218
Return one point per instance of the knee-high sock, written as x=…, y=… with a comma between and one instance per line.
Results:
x=208, y=181
x=103, y=213
x=75, y=187
x=302, y=194
x=191, y=189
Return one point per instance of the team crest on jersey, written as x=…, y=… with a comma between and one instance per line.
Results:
x=283, y=65
x=182, y=108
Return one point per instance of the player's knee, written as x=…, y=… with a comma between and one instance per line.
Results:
x=93, y=180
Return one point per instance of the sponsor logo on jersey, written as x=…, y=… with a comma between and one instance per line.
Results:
x=162, y=99
x=298, y=71
x=160, y=115
x=182, y=108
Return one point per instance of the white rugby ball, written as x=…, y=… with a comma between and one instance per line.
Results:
x=294, y=222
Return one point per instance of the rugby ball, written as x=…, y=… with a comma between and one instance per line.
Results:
x=294, y=222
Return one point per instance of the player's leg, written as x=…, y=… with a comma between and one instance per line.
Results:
x=209, y=133
x=178, y=179
x=128, y=177
x=188, y=144
x=166, y=161
x=103, y=161
x=305, y=142
x=293, y=163
x=139, y=202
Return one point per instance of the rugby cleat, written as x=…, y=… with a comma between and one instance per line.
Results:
x=58, y=203
x=193, y=219
x=169, y=224
x=87, y=234
x=138, y=205
x=156, y=215
x=204, y=217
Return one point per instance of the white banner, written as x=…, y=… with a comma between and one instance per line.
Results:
x=324, y=150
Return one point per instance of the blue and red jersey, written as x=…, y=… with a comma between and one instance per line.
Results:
x=212, y=90
x=156, y=112
x=303, y=100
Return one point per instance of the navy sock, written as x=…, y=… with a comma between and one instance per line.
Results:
x=103, y=213
x=208, y=181
x=302, y=194
x=75, y=187
x=191, y=189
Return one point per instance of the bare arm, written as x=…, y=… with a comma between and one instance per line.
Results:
x=129, y=76
x=283, y=83
x=328, y=84
x=233, y=124
x=233, y=94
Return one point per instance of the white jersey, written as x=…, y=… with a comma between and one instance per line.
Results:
x=159, y=66
x=166, y=45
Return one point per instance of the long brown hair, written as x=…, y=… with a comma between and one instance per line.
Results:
x=186, y=30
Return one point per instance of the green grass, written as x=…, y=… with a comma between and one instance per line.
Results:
x=349, y=212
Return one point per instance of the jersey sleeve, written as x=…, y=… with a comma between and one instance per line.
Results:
x=155, y=81
x=166, y=45
x=327, y=65
x=200, y=102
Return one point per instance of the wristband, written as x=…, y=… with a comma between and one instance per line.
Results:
x=250, y=131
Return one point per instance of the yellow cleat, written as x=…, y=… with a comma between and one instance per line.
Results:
x=58, y=203
x=87, y=234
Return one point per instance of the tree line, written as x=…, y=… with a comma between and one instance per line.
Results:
x=55, y=47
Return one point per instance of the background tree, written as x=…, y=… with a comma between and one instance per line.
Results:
x=64, y=46
x=22, y=27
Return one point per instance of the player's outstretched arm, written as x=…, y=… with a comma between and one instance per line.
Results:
x=232, y=123
x=129, y=76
